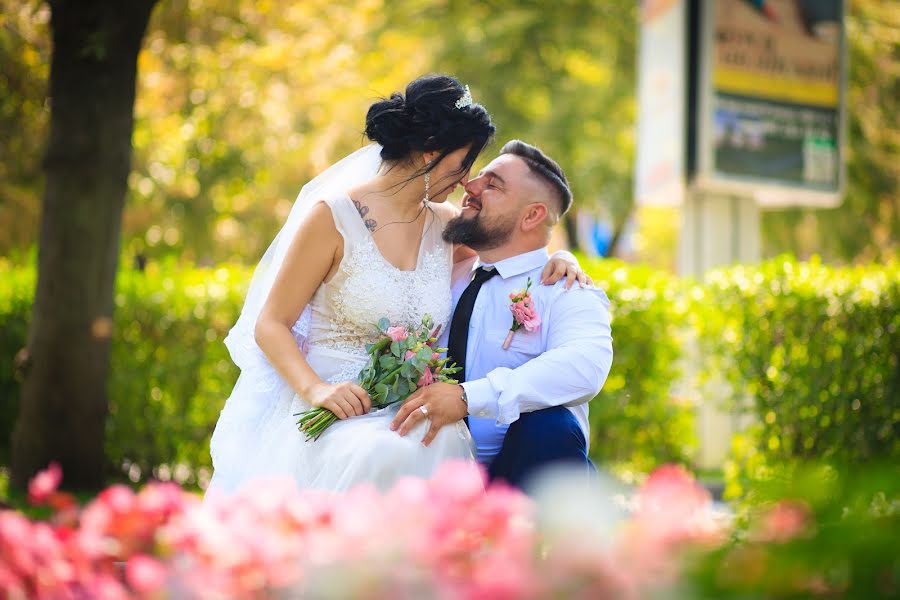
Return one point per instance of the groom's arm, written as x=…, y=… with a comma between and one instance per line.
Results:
x=571, y=371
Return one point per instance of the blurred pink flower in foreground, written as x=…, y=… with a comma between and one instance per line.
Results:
x=44, y=484
x=672, y=513
x=453, y=536
x=145, y=574
x=784, y=521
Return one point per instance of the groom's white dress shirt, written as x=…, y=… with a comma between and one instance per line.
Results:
x=563, y=363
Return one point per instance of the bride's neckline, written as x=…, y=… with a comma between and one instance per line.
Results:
x=421, y=251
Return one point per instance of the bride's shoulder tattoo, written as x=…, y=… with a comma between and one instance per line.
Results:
x=363, y=211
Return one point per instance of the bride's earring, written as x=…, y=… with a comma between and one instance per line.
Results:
x=427, y=184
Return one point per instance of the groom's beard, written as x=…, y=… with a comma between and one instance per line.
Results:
x=477, y=234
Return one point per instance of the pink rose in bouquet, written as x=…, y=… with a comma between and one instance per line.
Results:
x=427, y=378
x=397, y=333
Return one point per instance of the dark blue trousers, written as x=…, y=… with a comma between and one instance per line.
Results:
x=539, y=439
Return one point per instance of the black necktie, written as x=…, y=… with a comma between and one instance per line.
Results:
x=459, y=326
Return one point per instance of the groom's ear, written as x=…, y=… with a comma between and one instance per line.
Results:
x=535, y=216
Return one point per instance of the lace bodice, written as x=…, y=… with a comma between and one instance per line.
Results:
x=366, y=288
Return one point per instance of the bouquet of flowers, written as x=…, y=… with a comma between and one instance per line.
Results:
x=401, y=360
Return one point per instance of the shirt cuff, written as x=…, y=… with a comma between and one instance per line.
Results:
x=482, y=400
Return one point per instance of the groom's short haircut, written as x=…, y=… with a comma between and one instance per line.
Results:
x=544, y=168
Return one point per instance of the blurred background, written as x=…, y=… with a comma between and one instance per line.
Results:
x=240, y=102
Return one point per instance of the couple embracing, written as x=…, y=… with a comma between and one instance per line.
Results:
x=373, y=238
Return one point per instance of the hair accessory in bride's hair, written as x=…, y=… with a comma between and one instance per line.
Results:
x=465, y=100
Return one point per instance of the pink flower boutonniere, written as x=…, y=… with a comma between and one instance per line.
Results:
x=524, y=313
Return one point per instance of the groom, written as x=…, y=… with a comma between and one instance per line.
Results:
x=525, y=400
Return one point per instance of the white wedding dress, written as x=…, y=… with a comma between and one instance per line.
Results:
x=257, y=435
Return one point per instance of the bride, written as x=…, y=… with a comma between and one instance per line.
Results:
x=362, y=242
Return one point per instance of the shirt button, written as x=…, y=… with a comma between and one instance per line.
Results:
x=482, y=413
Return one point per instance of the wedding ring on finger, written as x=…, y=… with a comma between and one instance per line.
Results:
x=424, y=410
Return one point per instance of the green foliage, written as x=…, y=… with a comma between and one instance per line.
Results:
x=815, y=530
x=170, y=373
x=638, y=421
x=24, y=118
x=16, y=293
x=239, y=103
x=236, y=111
x=815, y=350
x=562, y=78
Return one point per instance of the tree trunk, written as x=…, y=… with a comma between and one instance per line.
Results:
x=92, y=88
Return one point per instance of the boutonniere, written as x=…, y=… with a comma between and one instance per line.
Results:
x=524, y=313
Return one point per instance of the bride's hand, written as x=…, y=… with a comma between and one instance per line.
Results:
x=564, y=264
x=343, y=399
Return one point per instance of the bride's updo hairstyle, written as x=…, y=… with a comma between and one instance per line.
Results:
x=427, y=119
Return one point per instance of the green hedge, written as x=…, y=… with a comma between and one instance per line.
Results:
x=170, y=371
x=16, y=293
x=814, y=346
x=818, y=531
x=814, y=351
x=637, y=420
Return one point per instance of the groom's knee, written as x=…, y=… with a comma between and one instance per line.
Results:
x=539, y=440
x=551, y=432
x=544, y=436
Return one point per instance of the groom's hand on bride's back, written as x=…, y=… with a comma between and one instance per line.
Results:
x=443, y=405
x=343, y=399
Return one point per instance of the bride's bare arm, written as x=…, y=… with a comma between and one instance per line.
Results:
x=313, y=257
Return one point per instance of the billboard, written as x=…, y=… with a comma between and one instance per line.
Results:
x=771, y=100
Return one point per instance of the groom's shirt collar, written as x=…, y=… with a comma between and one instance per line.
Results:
x=516, y=265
